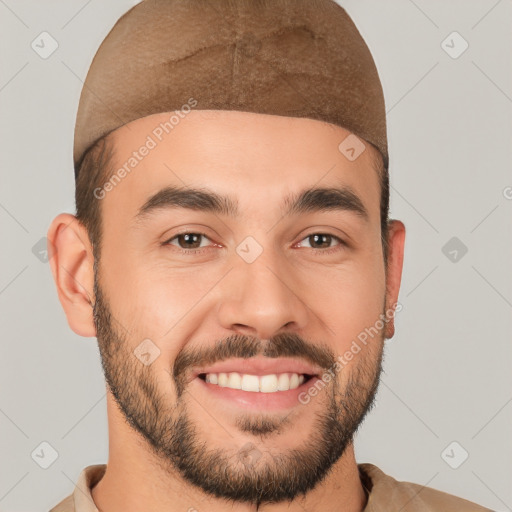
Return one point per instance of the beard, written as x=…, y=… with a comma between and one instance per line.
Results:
x=251, y=473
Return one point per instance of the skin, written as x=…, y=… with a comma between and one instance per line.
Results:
x=186, y=303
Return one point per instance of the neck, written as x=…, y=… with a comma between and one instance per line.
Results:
x=135, y=481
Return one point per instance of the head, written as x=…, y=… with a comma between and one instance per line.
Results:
x=317, y=281
x=240, y=243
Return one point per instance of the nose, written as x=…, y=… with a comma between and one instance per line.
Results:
x=262, y=299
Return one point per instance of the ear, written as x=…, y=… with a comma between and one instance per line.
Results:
x=396, y=239
x=71, y=261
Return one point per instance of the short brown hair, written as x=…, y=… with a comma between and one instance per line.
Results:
x=90, y=173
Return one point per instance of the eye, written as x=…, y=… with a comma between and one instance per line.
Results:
x=323, y=241
x=189, y=241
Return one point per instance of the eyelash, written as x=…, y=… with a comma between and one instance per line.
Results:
x=342, y=243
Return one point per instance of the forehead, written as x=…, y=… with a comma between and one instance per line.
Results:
x=256, y=158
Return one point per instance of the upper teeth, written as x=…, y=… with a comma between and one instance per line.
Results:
x=263, y=383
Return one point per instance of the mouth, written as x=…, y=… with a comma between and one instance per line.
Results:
x=270, y=383
x=257, y=383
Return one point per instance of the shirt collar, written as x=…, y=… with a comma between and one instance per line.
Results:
x=88, y=478
x=382, y=489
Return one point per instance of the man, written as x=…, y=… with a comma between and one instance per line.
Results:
x=231, y=247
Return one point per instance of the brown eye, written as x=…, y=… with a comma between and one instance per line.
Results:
x=321, y=240
x=187, y=240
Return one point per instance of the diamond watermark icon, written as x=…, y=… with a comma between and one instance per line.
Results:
x=43, y=250
x=44, y=455
x=454, y=45
x=454, y=455
x=249, y=249
x=146, y=352
x=44, y=45
x=454, y=249
x=351, y=147
x=249, y=454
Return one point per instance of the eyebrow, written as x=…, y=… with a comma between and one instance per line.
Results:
x=307, y=201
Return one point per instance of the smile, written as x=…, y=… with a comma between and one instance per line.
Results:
x=256, y=383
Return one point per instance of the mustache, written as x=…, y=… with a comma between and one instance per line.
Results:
x=240, y=346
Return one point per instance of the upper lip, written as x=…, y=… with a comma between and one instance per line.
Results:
x=259, y=366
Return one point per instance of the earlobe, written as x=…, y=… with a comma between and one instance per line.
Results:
x=395, y=265
x=72, y=264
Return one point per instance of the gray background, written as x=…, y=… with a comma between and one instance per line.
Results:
x=447, y=370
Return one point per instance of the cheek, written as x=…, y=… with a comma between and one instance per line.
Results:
x=163, y=304
x=351, y=301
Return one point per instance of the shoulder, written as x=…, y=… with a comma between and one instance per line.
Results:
x=80, y=500
x=386, y=493
x=66, y=505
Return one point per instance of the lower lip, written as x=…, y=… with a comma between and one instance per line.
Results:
x=279, y=400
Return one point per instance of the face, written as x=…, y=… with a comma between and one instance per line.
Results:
x=241, y=259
